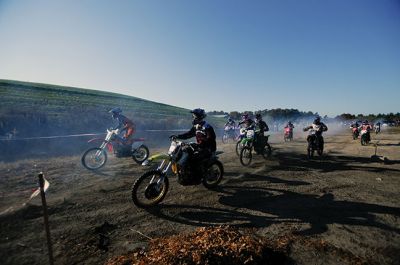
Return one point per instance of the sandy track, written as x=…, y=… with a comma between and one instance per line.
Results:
x=343, y=198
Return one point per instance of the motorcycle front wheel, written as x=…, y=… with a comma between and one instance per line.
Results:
x=239, y=147
x=94, y=158
x=140, y=154
x=267, y=151
x=246, y=156
x=225, y=138
x=310, y=152
x=213, y=174
x=149, y=189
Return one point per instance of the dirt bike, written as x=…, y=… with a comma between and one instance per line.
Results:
x=377, y=129
x=315, y=141
x=288, y=135
x=96, y=157
x=229, y=134
x=151, y=188
x=365, y=137
x=355, y=132
x=248, y=143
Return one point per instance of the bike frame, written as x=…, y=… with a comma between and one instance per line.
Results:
x=108, y=142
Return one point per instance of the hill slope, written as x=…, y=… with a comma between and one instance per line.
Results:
x=42, y=109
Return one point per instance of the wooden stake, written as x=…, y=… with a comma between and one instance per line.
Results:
x=46, y=218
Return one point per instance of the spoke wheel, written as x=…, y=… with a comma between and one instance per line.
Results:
x=267, y=151
x=149, y=189
x=246, y=156
x=140, y=154
x=239, y=147
x=94, y=158
x=213, y=175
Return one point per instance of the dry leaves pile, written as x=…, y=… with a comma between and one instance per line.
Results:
x=211, y=245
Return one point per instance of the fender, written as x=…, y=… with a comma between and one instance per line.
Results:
x=94, y=140
x=158, y=157
x=138, y=139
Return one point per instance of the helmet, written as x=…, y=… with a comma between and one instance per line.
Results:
x=258, y=116
x=317, y=119
x=245, y=116
x=115, y=111
x=198, y=115
x=365, y=122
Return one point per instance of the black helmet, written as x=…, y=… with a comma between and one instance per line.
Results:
x=317, y=119
x=198, y=115
x=258, y=116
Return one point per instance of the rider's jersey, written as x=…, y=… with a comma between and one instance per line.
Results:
x=261, y=126
x=317, y=128
x=366, y=127
x=123, y=122
x=289, y=126
x=230, y=123
x=205, y=135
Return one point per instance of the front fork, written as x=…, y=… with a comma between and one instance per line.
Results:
x=163, y=167
x=102, y=147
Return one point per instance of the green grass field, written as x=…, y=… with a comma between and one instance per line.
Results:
x=37, y=109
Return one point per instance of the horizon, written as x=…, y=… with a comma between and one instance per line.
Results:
x=332, y=58
x=226, y=112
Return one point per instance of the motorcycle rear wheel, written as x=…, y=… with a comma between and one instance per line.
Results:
x=147, y=186
x=246, y=156
x=94, y=158
x=213, y=175
x=140, y=154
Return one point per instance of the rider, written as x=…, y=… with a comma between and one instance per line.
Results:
x=289, y=125
x=378, y=127
x=248, y=123
x=319, y=127
x=289, y=129
x=126, y=124
x=205, y=138
x=367, y=127
x=230, y=126
x=231, y=123
x=261, y=127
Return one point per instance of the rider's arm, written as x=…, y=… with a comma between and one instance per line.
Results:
x=189, y=134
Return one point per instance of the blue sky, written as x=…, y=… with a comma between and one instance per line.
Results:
x=330, y=56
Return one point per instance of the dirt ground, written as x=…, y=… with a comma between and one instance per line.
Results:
x=345, y=199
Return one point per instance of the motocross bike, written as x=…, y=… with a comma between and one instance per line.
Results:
x=355, y=132
x=288, y=136
x=248, y=144
x=96, y=157
x=365, y=136
x=315, y=141
x=151, y=188
x=229, y=134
